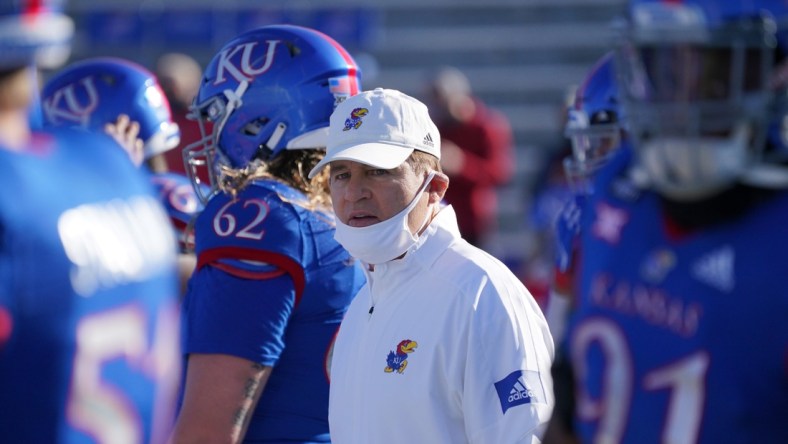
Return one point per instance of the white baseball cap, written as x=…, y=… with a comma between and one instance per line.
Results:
x=380, y=128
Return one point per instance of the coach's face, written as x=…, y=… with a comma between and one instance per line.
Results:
x=363, y=195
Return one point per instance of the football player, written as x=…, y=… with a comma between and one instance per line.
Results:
x=271, y=284
x=679, y=334
x=125, y=99
x=88, y=293
x=595, y=129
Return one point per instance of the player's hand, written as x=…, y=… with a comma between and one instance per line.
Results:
x=126, y=133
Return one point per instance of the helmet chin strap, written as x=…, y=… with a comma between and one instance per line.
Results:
x=267, y=149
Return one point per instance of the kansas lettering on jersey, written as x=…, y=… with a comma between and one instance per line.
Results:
x=272, y=286
x=679, y=340
x=88, y=293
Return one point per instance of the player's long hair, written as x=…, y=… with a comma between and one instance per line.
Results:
x=289, y=167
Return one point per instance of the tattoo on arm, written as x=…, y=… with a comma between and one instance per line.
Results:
x=251, y=386
x=241, y=416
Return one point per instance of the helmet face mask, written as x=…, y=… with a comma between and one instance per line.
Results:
x=594, y=124
x=268, y=90
x=198, y=156
x=697, y=94
x=211, y=116
x=592, y=146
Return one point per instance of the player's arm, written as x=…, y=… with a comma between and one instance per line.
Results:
x=234, y=335
x=220, y=396
x=187, y=262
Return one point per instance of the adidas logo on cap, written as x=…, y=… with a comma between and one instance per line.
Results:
x=428, y=140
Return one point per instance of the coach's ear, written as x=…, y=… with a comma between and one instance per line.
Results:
x=437, y=187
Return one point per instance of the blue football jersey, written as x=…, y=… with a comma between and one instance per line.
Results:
x=679, y=338
x=177, y=195
x=89, y=346
x=272, y=286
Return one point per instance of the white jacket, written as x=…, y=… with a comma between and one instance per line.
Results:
x=445, y=345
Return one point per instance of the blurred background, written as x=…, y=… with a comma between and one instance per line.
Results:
x=522, y=57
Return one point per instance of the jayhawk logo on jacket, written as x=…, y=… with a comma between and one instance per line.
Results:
x=354, y=121
x=397, y=360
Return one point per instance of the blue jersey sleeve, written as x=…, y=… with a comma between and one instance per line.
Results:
x=237, y=316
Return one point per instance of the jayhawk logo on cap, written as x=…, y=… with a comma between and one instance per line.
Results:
x=397, y=359
x=354, y=121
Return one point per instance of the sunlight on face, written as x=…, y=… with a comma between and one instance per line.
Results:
x=363, y=195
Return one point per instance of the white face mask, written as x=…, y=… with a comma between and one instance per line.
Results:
x=383, y=241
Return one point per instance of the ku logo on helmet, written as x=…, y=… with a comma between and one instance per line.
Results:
x=244, y=70
x=66, y=104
